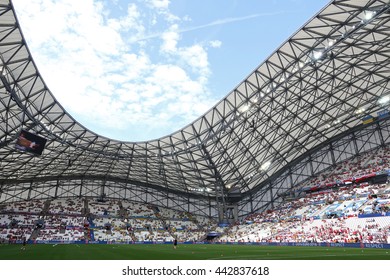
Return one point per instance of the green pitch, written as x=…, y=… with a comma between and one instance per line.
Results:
x=185, y=252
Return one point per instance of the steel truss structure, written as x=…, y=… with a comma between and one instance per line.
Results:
x=295, y=115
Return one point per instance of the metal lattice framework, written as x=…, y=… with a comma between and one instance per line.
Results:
x=312, y=90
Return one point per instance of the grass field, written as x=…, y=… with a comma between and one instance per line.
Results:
x=186, y=252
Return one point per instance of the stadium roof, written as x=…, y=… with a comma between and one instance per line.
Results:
x=317, y=85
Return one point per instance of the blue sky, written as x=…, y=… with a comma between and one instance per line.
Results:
x=139, y=70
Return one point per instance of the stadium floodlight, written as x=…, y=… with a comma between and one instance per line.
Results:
x=265, y=166
x=245, y=108
x=331, y=43
x=317, y=54
x=369, y=15
x=3, y=70
x=360, y=111
x=384, y=100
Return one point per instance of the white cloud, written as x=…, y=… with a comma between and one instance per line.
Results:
x=159, y=4
x=131, y=21
x=98, y=69
x=196, y=57
x=215, y=44
x=170, y=39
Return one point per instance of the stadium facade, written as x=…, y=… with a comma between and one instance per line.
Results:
x=322, y=97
